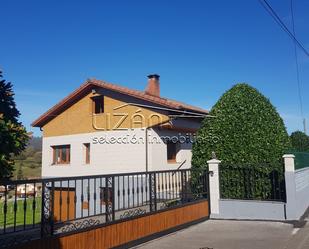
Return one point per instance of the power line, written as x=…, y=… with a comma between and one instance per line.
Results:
x=296, y=43
x=296, y=62
x=278, y=20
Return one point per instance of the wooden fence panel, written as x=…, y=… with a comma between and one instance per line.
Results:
x=65, y=211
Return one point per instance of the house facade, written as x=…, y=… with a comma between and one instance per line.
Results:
x=102, y=128
x=26, y=190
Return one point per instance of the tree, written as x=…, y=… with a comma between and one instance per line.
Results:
x=243, y=130
x=37, y=157
x=300, y=141
x=20, y=174
x=13, y=135
x=29, y=151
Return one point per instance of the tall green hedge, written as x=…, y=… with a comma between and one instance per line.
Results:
x=244, y=128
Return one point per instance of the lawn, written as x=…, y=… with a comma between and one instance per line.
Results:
x=20, y=214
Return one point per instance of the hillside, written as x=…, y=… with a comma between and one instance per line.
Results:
x=28, y=164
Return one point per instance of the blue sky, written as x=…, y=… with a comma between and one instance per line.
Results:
x=200, y=49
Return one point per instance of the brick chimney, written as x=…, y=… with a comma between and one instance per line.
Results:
x=153, y=87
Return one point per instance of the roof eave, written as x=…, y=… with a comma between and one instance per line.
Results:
x=71, y=98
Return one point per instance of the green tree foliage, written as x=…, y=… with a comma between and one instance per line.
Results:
x=300, y=141
x=13, y=135
x=20, y=174
x=245, y=129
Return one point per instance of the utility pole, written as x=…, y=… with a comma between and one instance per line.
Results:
x=305, y=127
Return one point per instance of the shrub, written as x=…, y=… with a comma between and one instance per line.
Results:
x=244, y=128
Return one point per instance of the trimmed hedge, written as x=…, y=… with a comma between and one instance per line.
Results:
x=244, y=128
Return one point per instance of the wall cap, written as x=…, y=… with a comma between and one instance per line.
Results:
x=288, y=156
x=213, y=161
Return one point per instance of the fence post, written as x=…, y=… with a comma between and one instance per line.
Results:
x=109, y=199
x=214, y=191
x=290, y=186
x=47, y=209
x=152, y=192
x=183, y=186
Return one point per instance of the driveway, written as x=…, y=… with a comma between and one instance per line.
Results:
x=230, y=234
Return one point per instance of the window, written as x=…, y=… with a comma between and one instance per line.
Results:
x=87, y=153
x=171, y=152
x=98, y=104
x=106, y=191
x=61, y=154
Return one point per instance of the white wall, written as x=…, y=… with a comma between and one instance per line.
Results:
x=297, y=188
x=157, y=152
x=123, y=154
x=297, y=191
x=115, y=157
x=302, y=179
x=302, y=191
x=250, y=209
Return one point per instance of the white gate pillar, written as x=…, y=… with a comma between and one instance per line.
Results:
x=214, y=191
x=290, y=186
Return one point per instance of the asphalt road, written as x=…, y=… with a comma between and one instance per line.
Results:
x=229, y=234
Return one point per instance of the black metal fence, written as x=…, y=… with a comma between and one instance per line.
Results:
x=252, y=182
x=31, y=209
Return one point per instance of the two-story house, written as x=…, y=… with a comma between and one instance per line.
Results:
x=103, y=128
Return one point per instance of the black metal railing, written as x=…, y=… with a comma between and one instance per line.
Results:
x=46, y=207
x=252, y=182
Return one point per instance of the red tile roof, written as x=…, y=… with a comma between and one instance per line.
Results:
x=89, y=84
